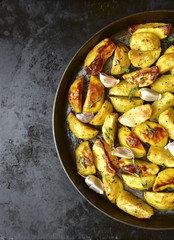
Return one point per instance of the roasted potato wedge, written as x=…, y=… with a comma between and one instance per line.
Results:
x=160, y=200
x=166, y=119
x=152, y=133
x=79, y=129
x=165, y=179
x=165, y=63
x=109, y=128
x=163, y=84
x=122, y=104
x=139, y=183
x=134, y=205
x=128, y=139
x=138, y=168
x=162, y=30
x=121, y=61
x=136, y=115
x=113, y=186
x=170, y=50
x=143, y=77
x=75, y=94
x=104, y=161
x=161, y=105
x=123, y=89
x=96, y=58
x=85, y=159
x=95, y=95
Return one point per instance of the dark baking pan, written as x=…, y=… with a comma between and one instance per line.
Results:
x=64, y=142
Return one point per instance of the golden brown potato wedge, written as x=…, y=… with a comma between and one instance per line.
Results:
x=165, y=63
x=123, y=89
x=95, y=95
x=75, y=94
x=134, y=205
x=104, y=161
x=165, y=179
x=160, y=200
x=96, y=58
x=143, y=77
x=136, y=115
x=79, y=129
x=166, y=119
x=85, y=159
x=152, y=133
x=113, y=186
x=121, y=61
x=163, y=84
x=128, y=139
x=170, y=50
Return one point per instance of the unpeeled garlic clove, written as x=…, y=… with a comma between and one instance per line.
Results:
x=149, y=95
x=123, y=152
x=170, y=147
x=85, y=117
x=94, y=183
x=108, y=80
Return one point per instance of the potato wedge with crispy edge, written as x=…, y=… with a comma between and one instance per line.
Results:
x=128, y=139
x=123, y=89
x=95, y=95
x=165, y=63
x=96, y=58
x=109, y=128
x=75, y=94
x=121, y=61
x=79, y=129
x=165, y=179
x=122, y=104
x=133, y=205
x=163, y=84
x=102, y=113
x=162, y=30
x=161, y=105
x=104, y=161
x=85, y=159
x=160, y=200
x=139, y=183
x=143, y=59
x=138, y=167
x=166, y=119
x=136, y=115
x=143, y=77
x=152, y=133
x=113, y=186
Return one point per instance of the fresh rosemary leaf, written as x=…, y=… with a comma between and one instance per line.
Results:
x=130, y=95
x=81, y=161
x=150, y=130
x=171, y=38
x=92, y=103
x=116, y=62
x=137, y=174
x=133, y=161
x=127, y=70
x=144, y=184
x=107, y=134
x=120, y=68
x=142, y=80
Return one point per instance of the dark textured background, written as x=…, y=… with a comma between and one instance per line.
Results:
x=37, y=40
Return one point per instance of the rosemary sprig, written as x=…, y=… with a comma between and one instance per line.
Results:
x=92, y=103
x=137, y=173
x=107, y=134
x=81, y=161
x=130, y=95
x=133, y=161
x=170, y=38
x=150, y=130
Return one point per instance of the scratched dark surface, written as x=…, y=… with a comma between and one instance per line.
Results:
x=37, y=40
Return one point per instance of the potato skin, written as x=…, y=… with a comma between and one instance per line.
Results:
x=85, y=159
x=123, y=89
x=79, y=129
x=166, y=119
x=163, y=84
x=164, y=180
x=96, y=58
x=165, y=63
x=133, y=205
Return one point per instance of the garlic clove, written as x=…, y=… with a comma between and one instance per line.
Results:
x=149, y=95
x=108, y=80
x=95, y=184
x=123, y=152
x=170, y=147
x=85, y=117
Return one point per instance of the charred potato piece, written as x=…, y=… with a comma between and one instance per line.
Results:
x=160, y=200
x=138, y=167
x=136, y=115
x=139, y=183
x=162, y=30
x=165, y=63
x=113, y=186
x=96, y=58
x=166, y=119
x=85, y=159
x=123, y=89
x=95, y=95
x=104, y=161
x=102, y=113
x=143, y=77
x=163, y=84
x=121, y=61
x=75, y=94
x=134, y=205
x=161, y=105
x=152, y=133
x=165, y=179
x=109, y=128
x=128, y=139
x=79, y=129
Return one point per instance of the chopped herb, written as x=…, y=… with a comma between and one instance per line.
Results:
x=137, y=174
x=120, y=68
x=133, y=161
x=142, y=80
x=116, y=62
x=144, y=184
x=150, y=130
x=92, y=103
x=130, y=95
x=127, y=70
x=171, y=38
x=81, y=161
x=107, y=134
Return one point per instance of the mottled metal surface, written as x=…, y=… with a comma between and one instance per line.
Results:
x=37, y=40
